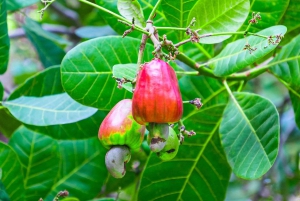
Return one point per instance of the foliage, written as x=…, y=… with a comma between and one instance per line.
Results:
x=240, y=58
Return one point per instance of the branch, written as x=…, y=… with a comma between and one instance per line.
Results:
x=152, y=14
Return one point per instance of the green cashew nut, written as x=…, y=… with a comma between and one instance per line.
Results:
x=116, y=159
x=171, y=148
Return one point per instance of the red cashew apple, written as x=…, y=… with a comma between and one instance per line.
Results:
x=157, y=101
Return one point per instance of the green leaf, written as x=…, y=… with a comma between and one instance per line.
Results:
x=219, y=16
x=83, y=129
x=87, y=70
x=289, y=71
x=1, y=91
x=3, y=195
x=39, y=156
x=47, y=45
x=291, y=17
x=147, y=6
x=48, y=110
x=83, y=170
x=8, y=124
x=271, y=11
x=12, y=176
x=132, y=9
x=18, y=4
x=177, y=13
x=204, y=162
x=127, y=71
x=4, y=39
x=47, y=82
x=250, y=134
x=234, y=58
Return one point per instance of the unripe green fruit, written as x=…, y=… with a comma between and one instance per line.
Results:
x=119, y=127
x=171, y=148
x=116, y=159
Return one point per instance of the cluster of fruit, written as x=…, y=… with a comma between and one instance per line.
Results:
x=156, y=103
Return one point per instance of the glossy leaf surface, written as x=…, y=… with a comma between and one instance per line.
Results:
x=271, y=11
x=87, y=70
x=127, y=71
x=131, y=9
x=291, y=17
x=234, y=58
x=48, y=82
x=177, y=13
x=4, y=39
x=219, y=16
x=48, y=110
x=204, y=162
x=40, y=161
x=289, y=72
x=11, y=169
x=46, y=44
x=82, y=170
x=250, y=134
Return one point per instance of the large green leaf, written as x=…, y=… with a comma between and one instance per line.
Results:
x=3, y=195
x=132, y=9
x=177, y=13
x=18, y=4
x=47, y=44
x=291, y=17
x=87, y=70
x=85, y=128
x=4, y=39
x=8, y=124
x=83, y=170
x=48, y=82
x=234, y=58
x=48, y=110
x=219, y=16
x=250, y=134
x=12, y=176
x=39, y=156
x=127, y=71
x=147, y=6
x=289, y=71
x=204, y=162
x=271, y=12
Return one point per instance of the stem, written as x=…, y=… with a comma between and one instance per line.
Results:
x=187, y=72
x=257, y=71
x=228, y=89
x=185, y=102
x=115, y=15
x=141, y=50
x=212, y=34
x=152, y=14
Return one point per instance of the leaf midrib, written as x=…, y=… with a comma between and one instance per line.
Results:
x=249, y=124
x=198, y=157
x=43, y=109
